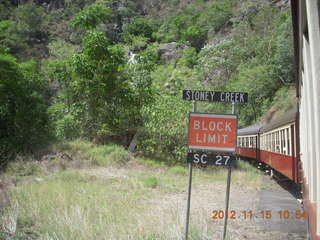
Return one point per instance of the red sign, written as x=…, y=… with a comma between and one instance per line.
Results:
x=212, y=132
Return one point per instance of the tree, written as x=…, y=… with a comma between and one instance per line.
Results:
x=100, y=88
x=139, y=27
x=90, y=17
x=196, y=36
x=30, y=19
x=23, y=118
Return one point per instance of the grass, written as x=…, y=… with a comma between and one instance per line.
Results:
x=151, y=182
x=23, y=168
x=150, y=162
x=107, y=155
x=112, y=202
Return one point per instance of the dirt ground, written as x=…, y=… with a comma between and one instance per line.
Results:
x=250, y=208
x=264, y=211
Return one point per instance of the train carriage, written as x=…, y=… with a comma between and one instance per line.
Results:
x=277, y=144
x=272, y=144
x=306, y=32
x=292, y=142
x=248, y=141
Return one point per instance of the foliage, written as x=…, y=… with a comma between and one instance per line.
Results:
x=30, y=19
x=10, y=39
x=257, y=80
x=196, y=36
x=170, y=80
x=22, y=106
x=100, y=84
x=189, y=57
x=218, y=62
x=90, y=17
x=215, y=16
x=171, y=30
x=97, y=93
x=63, y=123
x=283, y=57
x=60, y=49
x=6, y=8
x=139, y=27
x=165, y=128
x=99, y=96
x=201, y=18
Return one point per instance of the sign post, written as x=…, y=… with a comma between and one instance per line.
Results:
x=194, y=108
x=228, y=191
x=212, y=132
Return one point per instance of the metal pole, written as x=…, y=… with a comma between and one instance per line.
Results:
x=194, y=109
x=228, y=190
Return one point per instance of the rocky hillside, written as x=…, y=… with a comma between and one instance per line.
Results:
x=104, y=70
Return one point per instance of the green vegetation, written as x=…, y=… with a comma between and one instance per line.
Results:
x=93, y=202
x=80, y=79
x=104, y=70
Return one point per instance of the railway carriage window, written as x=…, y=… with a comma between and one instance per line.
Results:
x=283, y=141
x=289, y=140
x=285, y=149
x=278, y=142
x=266, y=142
x=269, y=142
x=272, y=142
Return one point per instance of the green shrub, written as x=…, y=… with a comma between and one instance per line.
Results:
x=139, y=27
x=23, y=105
x=189, y=57
x=91, y=16
x=196, y=36
x=63, y=124
x=284, y=53
x=166, y=129
x=257, y=80
x=215, y=16
x=30, y=19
